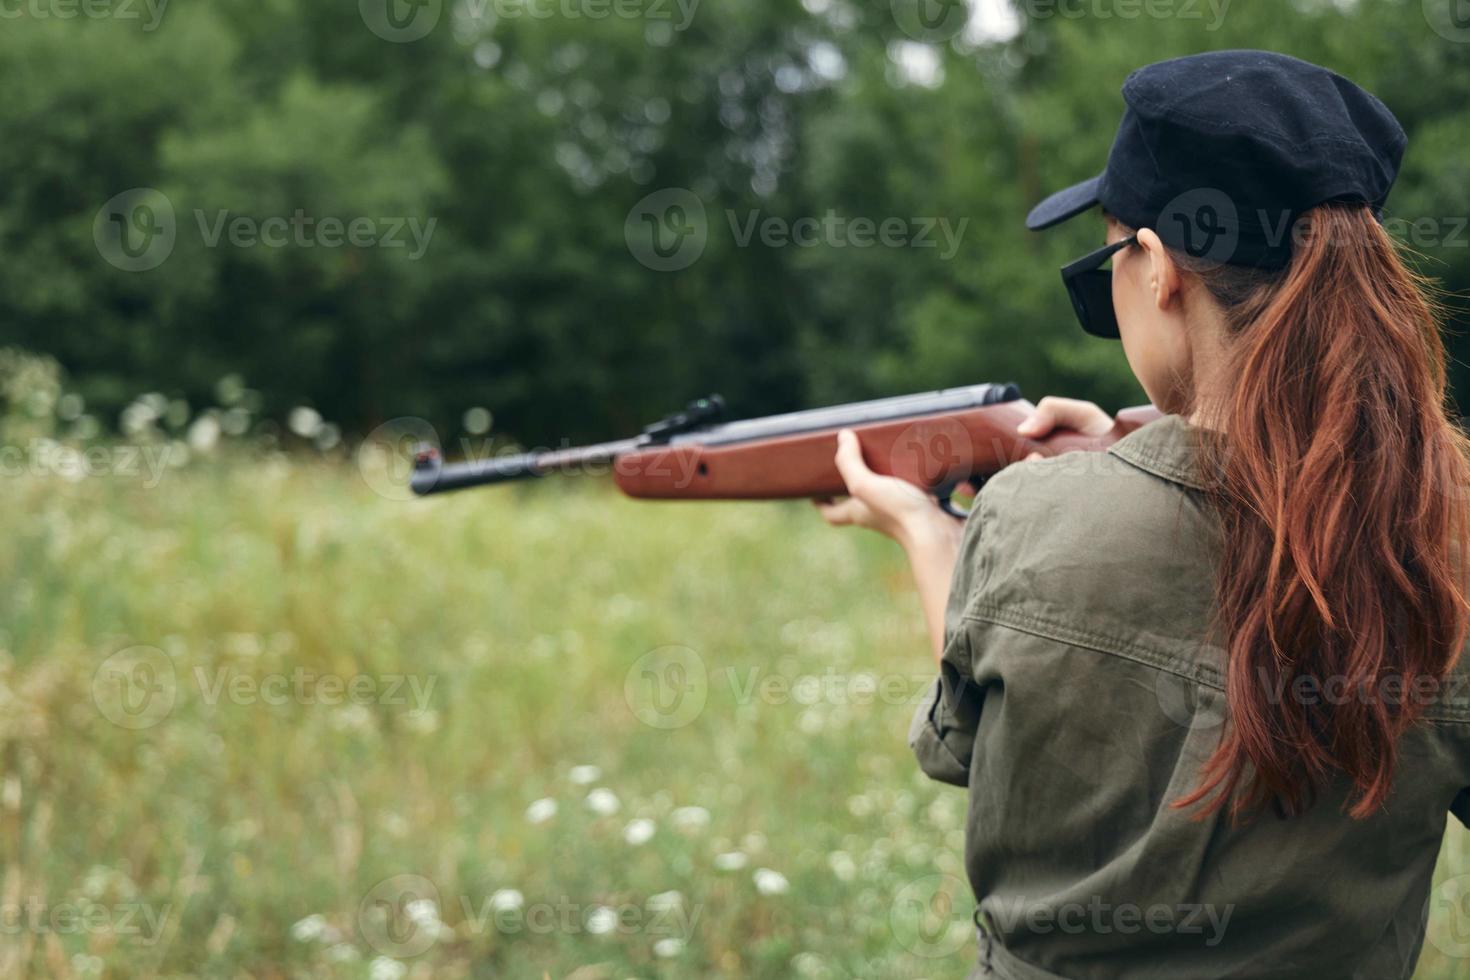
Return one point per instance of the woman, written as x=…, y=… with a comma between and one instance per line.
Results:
x=1202, y=689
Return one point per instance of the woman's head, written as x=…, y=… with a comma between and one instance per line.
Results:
x=1259, y=294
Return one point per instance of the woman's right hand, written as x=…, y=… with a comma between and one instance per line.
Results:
x=1052, y=413
x=1065, y=413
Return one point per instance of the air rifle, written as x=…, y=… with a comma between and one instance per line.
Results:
x=937, y=441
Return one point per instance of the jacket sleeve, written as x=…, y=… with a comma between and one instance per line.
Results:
x=942, y=733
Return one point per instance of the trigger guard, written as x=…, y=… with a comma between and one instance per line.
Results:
x=947, y=505
x=943, y=495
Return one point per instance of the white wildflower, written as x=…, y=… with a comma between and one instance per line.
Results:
x=304, y=421
x=309, y=928
x=204, y=433
x=665, y=901
x=769, y=882
x=809, y=965
x=138, y=418
x=731, y=861
x=639, y=831
x=383, y=968
x=584, y=775
x=842, y=865
x=541, y=811
x=601, y=920
x=670, y=946
x=690, y=818
x=342, y=953
x=507, y=899
x=422, y=911
x=603, y=802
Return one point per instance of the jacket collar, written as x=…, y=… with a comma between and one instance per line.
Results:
x=1168, y=448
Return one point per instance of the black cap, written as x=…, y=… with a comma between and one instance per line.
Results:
x=1219, y=153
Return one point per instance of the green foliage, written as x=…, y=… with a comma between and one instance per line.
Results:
x=527, y=140
x=30, y=388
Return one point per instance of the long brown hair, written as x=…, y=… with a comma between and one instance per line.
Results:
x=1341, y=485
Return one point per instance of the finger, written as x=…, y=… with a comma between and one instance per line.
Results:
x=1064, y=413
x=1034, y=456
x=1043, y=419
x=849, y=460
x=839, y=514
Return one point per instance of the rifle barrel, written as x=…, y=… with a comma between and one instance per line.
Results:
x=854, y=414
x=432, y=475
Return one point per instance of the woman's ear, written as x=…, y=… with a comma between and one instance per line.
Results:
x=1162, y=271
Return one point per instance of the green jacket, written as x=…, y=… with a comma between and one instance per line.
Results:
x=1079, y=695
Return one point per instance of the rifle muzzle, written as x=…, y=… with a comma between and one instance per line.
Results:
x=432, y=475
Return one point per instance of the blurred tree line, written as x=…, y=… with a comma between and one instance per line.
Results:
x=528, y=130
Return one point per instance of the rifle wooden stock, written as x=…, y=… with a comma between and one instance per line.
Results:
x=934, y=452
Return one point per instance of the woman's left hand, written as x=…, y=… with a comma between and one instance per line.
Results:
x=883, y=503
x=909, y=516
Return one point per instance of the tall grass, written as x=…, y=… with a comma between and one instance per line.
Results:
x=591, y=738
x=261, y=828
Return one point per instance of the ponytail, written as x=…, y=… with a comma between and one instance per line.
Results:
x=1341, y=486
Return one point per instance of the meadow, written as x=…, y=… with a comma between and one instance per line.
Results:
x=261, y=717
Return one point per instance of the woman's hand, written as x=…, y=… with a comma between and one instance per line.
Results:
x=904, y=512
x=1053, y=413
x=885, y=504
x=929, y=536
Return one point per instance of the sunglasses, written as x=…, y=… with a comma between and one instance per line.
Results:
x=1091, y=289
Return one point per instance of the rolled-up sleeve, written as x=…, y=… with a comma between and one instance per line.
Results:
x=942, y=733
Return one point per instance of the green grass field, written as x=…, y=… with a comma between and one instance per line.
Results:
x=259, y=720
